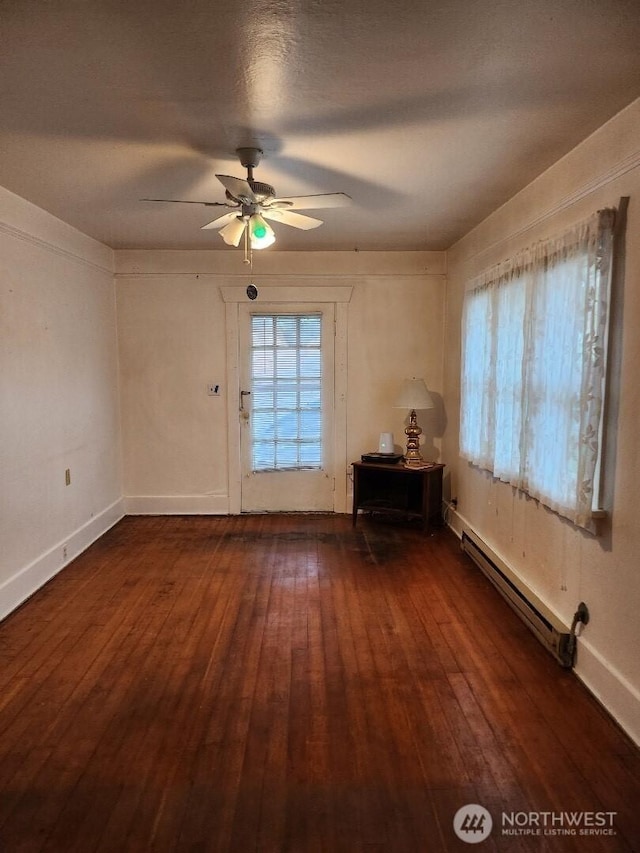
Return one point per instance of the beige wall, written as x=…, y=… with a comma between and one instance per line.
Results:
x=59, y=396
x=561, y=563
x=171, y=328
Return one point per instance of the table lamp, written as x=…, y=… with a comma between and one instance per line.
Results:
x=413, y=395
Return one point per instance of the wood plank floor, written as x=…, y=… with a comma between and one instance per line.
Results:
x=287, y=683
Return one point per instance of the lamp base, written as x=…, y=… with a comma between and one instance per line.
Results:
x=413, y=460
x=413, y=432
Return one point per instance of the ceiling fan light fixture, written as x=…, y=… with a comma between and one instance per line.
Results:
x=233, y=231
x=260, y=232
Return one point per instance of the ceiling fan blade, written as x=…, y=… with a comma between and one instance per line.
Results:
x=188, y=201
x=237, y=188
x=296, y=220
x=311, y=202
x=220, y=221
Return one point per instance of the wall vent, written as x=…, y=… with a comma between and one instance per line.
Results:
x=555, y=636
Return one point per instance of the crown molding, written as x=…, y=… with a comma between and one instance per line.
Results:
x=54, y=248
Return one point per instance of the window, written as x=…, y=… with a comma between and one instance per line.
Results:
x=286, y=382
x=534, y=335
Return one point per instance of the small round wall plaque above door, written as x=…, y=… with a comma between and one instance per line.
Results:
x=252, y=291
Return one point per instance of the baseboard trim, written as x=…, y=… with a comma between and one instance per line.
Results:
x=17, y=589
x=619, y=698
x=176, y=505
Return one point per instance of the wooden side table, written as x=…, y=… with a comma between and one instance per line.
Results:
x=398, y=490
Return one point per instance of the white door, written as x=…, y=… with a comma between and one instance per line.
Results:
x=285, y=406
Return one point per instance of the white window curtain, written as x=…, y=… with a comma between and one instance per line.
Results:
x=533, y=367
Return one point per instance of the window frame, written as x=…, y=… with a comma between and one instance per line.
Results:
x=278, y=380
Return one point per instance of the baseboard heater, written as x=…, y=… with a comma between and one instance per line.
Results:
x=555, y=636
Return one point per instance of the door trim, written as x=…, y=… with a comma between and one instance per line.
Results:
x=340, y=296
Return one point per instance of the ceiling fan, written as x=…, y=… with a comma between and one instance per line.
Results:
x=254, y=202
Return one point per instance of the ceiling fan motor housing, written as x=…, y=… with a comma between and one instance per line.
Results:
x=262, y=192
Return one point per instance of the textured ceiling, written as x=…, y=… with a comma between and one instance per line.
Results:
x=428, y=114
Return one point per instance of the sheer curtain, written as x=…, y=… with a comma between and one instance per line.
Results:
x=533, y=367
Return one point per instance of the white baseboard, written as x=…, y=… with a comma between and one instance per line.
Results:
x=176, y=505
x=616, y=695
x=30, y=578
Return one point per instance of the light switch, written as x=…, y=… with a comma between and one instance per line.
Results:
x=213, y=389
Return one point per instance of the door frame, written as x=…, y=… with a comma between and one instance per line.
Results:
x=314, y=290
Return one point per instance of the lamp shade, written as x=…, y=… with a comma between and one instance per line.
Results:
x=233, y=231
x=260, y=232
x=414, y=395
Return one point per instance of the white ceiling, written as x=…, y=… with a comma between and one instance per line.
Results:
x=429, y=113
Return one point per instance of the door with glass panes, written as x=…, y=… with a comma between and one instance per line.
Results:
x=286, y=407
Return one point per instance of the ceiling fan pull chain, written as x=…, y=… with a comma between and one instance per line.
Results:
x=248, y=250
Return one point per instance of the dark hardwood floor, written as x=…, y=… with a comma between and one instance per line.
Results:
x=288, y=683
